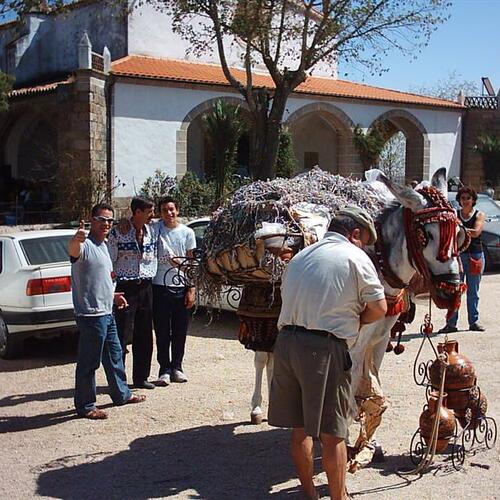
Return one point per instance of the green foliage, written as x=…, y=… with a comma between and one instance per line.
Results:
x=224, y=126
x=286, y=163
x=195, y=197
x=488, y=146
x=6, y=82
x=370, y=145
x=158, y=186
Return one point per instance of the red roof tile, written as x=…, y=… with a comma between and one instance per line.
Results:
x=203, y=73
x=39, y=89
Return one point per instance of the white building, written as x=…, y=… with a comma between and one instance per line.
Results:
x=143, y=112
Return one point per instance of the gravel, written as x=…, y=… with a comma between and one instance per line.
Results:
x=194, y=441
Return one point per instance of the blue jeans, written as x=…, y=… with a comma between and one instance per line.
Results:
x=472, y=281
x=99, y=342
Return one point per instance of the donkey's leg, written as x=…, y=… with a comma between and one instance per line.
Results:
x=269, y=370
x=260, y=361
x=372, y=403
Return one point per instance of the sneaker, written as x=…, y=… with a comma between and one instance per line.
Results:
x=178, y=376
x=476, y=327
x=448, y=329
x=163, y=380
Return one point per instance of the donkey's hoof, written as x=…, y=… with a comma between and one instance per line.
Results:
x=256, y=418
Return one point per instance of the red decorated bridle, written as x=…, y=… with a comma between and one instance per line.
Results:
x=416, y=238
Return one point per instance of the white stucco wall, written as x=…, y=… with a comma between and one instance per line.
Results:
x=443, y=126
x=150, y=33
x=147, y=117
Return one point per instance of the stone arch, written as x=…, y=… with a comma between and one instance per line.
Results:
x=181, y=156
x=417, y=163
x=29, y=145
x=345, y=160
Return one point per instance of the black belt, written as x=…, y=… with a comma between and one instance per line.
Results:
x=296, y=328
x=137, y=282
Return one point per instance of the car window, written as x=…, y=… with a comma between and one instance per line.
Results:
x=46, y=250
x=488, y=206
x=199, y=230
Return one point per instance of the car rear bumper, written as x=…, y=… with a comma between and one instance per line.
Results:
x=33, y=320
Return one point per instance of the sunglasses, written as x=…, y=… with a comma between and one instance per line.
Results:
x=100, y=218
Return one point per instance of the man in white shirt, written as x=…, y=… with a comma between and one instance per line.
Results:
x=329, y=290
x=172, y=296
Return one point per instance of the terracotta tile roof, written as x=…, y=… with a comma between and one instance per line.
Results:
x=211, y=74
x=39, y=89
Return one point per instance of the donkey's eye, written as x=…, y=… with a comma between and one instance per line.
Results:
x=429, y=235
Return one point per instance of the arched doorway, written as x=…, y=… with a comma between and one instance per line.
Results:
x=200, y=158
x=322, y=135
x=404, y=131
x=193, y=151
x=30, y=163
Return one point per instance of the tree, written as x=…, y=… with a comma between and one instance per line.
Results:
x=370, y=144
x=6, y=82
x=224, y=126
x=488, y=146
x=448, y=87
x=393, y=157
x=291, y=38
x=286, y=163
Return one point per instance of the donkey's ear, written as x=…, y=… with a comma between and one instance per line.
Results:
x=407, y=196
x=439, y=181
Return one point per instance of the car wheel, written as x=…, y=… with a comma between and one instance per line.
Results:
x=9, y=346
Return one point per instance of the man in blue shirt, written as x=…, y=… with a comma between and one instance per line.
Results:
x=93, y=297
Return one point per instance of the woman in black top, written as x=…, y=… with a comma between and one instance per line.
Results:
x=473, y=220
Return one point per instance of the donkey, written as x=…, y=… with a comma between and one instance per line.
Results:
x=428, y=245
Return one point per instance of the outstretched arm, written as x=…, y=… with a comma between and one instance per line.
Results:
x=75, y=243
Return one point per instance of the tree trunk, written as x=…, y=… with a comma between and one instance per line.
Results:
x=266, y=125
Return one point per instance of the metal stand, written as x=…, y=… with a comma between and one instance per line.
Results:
x=478, y=430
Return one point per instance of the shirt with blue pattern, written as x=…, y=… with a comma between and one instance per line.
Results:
x=129, y=263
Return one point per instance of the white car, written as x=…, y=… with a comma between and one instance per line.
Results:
x=35, y=287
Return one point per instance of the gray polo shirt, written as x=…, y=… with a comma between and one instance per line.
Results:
x=91, y=280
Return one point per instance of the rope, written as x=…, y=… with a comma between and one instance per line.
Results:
x=428, y=458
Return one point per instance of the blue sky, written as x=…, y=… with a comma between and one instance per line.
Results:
x=468, y=43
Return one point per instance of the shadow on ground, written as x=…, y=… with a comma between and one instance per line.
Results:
x=38, y=353
x=20, y=423
x=214, y=324
x=210, y=462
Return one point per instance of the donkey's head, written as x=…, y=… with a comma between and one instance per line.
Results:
x=431, y=237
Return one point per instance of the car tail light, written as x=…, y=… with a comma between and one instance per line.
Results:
x=45, y=286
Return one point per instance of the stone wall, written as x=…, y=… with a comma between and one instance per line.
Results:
x=477, y=122
x=83, y=138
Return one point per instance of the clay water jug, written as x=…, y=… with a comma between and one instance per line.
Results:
x=446, y=422
x=478, y=406
x=460, y=373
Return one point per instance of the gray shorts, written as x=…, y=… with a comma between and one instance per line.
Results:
x=311, y=386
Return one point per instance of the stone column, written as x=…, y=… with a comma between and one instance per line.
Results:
x=82, y=125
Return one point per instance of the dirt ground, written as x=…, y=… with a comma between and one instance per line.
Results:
x=193, y=440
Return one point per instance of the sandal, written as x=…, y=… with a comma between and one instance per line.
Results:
x=135, y=398
x=96, y=415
